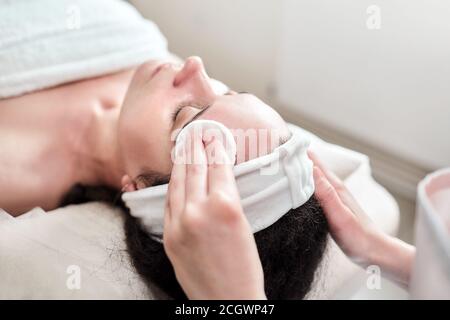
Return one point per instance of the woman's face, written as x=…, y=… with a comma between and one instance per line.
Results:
x=163, y=97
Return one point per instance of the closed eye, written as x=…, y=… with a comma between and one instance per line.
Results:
x=231, y=92
x=180, y=107
x=198, y=114
x=175, y=113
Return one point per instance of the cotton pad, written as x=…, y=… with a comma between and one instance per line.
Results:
x=269, y=186
x=209, y=129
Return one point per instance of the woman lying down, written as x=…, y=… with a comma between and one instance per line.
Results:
x=241, y=221
x=118, y=131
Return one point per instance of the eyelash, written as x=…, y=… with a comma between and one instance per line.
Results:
x=180, y=107
x=176, y=112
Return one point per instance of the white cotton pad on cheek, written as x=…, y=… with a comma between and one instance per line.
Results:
x=209, y=128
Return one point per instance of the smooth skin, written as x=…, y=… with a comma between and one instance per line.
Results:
x=108, y=131
x=205, y=226
x=355, y=233
x=206, y=235
x=80, y=133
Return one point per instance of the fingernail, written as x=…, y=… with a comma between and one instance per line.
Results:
x=207, y=139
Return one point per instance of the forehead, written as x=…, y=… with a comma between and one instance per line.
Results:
x=256, y=127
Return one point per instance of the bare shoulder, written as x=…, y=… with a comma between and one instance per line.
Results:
x=38, y=131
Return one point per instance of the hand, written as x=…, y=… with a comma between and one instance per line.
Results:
x=355, y=233
x=206, y=235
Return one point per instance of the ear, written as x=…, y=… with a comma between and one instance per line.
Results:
x=128, y=184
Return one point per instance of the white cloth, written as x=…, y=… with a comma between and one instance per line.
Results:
x=43, y=253
x=430, y=277
x=46, y=43
x=269, y=186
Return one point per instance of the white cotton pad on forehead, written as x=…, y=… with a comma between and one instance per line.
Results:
x=209, y=129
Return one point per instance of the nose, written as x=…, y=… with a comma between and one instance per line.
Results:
x=193, y=73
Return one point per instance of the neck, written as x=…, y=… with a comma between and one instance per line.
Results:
x=97, y=157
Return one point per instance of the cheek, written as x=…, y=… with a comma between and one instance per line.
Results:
x=154, y=157
x=143, y=146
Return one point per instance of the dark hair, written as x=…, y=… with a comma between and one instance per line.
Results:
x=290, y=250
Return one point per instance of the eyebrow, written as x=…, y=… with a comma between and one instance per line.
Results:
x=198, y=114
x=205, y=109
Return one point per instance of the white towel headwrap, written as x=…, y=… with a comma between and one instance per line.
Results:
x=47, y=43
x=269, y=186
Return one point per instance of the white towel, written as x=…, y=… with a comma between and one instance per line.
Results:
x=49, y=42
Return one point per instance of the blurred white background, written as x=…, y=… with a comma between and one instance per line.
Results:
x=382, y=91
x=237, y=39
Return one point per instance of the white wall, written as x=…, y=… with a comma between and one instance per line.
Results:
x=236, y=39
x=389, y=87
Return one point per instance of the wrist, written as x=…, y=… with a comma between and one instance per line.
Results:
x=378, y=242
x=393, y=256
x=370, y=249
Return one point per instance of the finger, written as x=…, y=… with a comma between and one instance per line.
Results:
x=335, y=181
x=336, y=212
x=220, y=173
x=176, y=193
x=196, y=169
x=344, y=194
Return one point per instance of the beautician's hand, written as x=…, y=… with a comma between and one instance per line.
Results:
x=206, y=235
x=358, y=237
